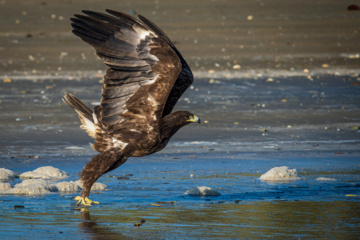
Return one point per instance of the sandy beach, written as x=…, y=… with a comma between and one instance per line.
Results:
x=276, y=84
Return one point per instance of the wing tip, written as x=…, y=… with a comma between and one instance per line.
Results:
x=67, y=99
x=87, y=12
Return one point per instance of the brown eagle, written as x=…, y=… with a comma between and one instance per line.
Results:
x=146, y=77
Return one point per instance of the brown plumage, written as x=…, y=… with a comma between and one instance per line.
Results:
x=146, y=77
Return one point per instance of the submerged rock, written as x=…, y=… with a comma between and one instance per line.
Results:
x=32, y=187
x=280, y=174
x=325, y=179
x=35, y=182
x=41, y=186
x=202, y=191
x=6, y=174
x=47, y=172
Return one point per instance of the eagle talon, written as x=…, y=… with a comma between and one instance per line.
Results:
x=85, y=201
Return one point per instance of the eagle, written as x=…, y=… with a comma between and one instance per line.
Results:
x=146, y=77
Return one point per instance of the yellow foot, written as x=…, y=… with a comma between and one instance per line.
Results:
x=85, y=201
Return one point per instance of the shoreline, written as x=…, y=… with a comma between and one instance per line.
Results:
x=198, y=74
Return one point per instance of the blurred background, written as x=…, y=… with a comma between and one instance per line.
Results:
x=229, y=37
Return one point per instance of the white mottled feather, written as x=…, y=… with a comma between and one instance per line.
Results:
x=118, y=144
x=87, y=125
x=96, y=121
x=150, y=81
x=153, y=103
x=143, y=34
x=92, y=128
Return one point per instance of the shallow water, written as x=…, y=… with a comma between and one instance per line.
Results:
x=153, y=190
x=288, y=113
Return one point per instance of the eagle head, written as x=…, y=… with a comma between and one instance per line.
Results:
x=172, y=122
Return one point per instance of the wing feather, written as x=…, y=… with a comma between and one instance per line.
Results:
x=185, y=78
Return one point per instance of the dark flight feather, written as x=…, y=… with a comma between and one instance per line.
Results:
x=185, y=78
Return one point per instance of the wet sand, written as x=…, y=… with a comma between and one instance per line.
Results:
x=260, y=36
x=276, y=84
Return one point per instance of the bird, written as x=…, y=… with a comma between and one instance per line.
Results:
x=145, y=78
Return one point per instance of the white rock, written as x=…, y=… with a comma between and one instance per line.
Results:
x=68, y=186
x=98, y=187
x=32, y=187
x=52, y=172
x=31, y=190
x=33, y=175
x=45, y=173
x=4, y=186
x=28, y=182
x=202, y=191
x=41, y=186
x=6, y=174
x=37, y=183
x=325, y=179
x=95, y=187
x=280, y=174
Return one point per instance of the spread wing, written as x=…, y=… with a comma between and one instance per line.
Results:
x=185, y=78
x=144, y=69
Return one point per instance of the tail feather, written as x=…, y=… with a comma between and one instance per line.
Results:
x=85, y=114
x=78, y=106
x=91, y=124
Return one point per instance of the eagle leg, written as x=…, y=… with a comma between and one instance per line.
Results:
x=93, y=170
x=85, y=201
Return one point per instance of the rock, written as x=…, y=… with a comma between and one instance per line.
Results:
x=6, y=174
x=95, y=187
x=68, y=186
x=19, y=206
x=32, y=187
x=44, y=173
x=33, y=175
x=325, y=179
x=41, y=186
x=28, y=182
x=35, y=182
x=353, y=7
x=202, y=191
x=4, y=186
x=52, y=172
x=280, y=174
x=98, y=187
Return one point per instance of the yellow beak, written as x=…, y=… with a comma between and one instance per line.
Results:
x=195, y=119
